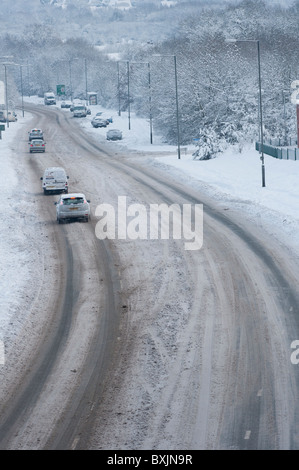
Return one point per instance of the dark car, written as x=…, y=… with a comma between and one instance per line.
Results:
x=114, y=134
x=97, y=121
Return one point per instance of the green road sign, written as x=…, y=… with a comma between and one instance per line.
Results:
x=2, y=127
x=60, y=90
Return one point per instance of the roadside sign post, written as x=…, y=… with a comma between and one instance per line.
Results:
x=60, y=90
x=2, y=128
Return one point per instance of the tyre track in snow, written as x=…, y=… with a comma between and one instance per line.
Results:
x=270, y=304
x=238, y=388
x=26, y=418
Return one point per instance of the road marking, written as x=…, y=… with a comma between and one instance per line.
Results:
x=247, y=435
x=260, y=392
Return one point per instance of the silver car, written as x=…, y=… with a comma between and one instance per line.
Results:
x=37, y=145
x=114, y=134
x=72, y=206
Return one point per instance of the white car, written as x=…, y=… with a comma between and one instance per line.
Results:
x=72, y=206
x=54, y=180
x=79, y=110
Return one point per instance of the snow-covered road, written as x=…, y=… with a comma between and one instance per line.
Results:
x=201, y=332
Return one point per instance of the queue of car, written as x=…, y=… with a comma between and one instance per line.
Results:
x=72, y=206
x=36, y=141
x=98, y=121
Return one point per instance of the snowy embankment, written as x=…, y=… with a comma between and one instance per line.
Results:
x=20, y=241
x=233, y=179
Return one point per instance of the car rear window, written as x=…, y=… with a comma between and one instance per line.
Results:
x=73, y=200
x=56, y=174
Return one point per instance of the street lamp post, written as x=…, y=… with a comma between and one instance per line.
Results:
x=86, y=88
x=118, y=89
x=28, y=79
x=150, y=97
x=177, y=105
x=5, y=65
x=150, y=102
x=176, y=98
x=284, y=93
x=129, y=106
x=260, y=102
x=71, y=86
x=21, y=74
x=5, y=79
x=21, y=77
x=6, y=95
x=128, y=90
x=70, y=70
x=261, y=115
